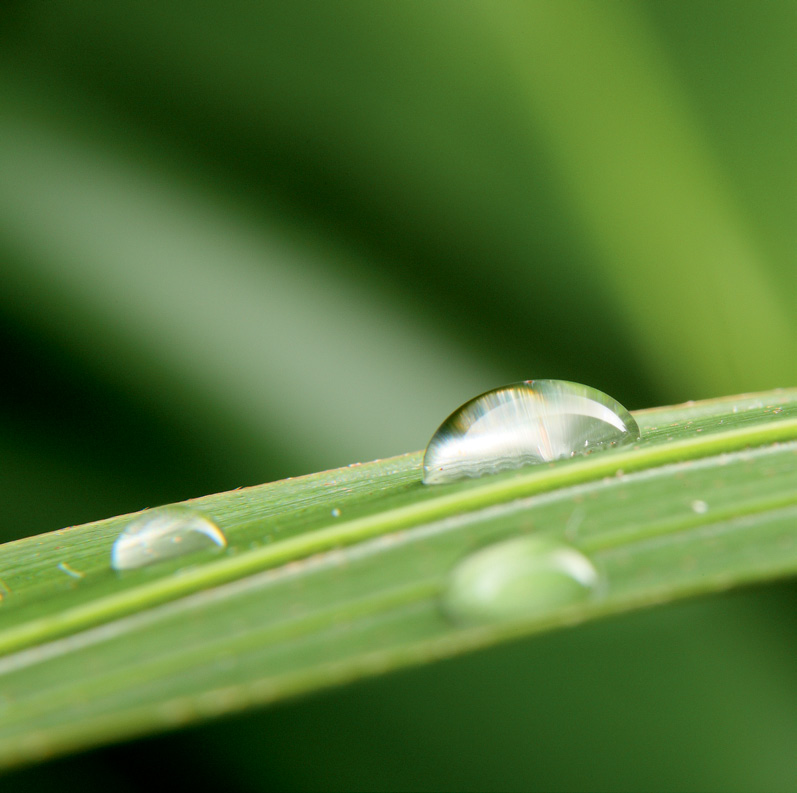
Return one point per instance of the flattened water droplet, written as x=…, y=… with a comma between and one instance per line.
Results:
x=523, y=577
x=536, y=421
x=163, y=534
x=700, y=507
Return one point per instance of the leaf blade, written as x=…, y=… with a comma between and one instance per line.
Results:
x=323, y=611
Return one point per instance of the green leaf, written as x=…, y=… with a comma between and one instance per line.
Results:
x=339, y=575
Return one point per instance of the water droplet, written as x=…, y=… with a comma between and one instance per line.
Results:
x=336, y=513
x=163, y=534
x=523, y=577
x=70, y=571
x=700, y=507
x=536, y=421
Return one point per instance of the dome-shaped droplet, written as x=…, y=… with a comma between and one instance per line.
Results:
x=524, y=577
x=163, y=534
x=536, y=421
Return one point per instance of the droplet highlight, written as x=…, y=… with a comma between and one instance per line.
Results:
x=162, y=534
x=525, y=577
x=536, y=421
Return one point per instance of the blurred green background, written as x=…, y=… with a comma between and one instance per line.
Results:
x=242, y=241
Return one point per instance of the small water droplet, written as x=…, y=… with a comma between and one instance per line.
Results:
x=336, y=513
x=163, y=534
x=536, y=421
x=523, y=577
x=70, y=571
x=700, y=507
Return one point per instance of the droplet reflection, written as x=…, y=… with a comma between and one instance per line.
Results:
x=164, y=534
x=535, y=421
x=519, y=578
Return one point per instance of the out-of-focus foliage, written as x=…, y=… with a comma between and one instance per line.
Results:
x=242, y=241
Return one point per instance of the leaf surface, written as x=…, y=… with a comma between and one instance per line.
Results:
x=339, y=575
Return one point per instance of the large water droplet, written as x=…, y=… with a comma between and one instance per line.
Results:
x=519, y=578
x=163, y=534
x=536, y=421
